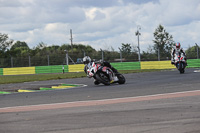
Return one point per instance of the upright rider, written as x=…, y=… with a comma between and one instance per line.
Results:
x=177, y=49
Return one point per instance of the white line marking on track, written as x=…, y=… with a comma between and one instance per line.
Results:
x=196, y=71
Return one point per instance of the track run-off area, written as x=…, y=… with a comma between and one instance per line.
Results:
x=150, y=102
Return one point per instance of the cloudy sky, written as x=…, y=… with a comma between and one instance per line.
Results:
x=99, y=23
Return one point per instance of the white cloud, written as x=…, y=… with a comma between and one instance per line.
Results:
x=100, y=24
x=180, y=13
x=94, y=13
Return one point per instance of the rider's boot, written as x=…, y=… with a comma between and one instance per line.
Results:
x=112, y=81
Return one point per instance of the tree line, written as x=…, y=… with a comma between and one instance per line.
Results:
x=18, y=53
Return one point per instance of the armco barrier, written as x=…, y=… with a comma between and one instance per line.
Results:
x=76, y=68
x=126, y=65
x=1, y=71
x=19, y=71
x=156, y=65
x=193, y=63
x=51, y=69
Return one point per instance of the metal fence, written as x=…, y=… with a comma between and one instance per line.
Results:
x=75, y=58
x=63, y=59
x=32, y=61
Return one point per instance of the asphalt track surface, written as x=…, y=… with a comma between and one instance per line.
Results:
x=151, y=102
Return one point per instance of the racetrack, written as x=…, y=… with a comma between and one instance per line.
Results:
x=165, y=114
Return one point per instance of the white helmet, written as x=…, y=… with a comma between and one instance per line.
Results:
x=86, y=59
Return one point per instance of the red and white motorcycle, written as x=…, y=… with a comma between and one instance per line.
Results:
x=180, y=62
x=104, y=74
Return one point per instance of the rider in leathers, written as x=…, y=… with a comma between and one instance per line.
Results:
x=87, y=60
x=177, y=49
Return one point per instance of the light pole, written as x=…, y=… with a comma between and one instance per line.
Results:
x=67, y=60
x=71, y=39
x=83, y=52
x=120, y=54
x=102, y=55
x=29, y=59
x=48, y=59
x=138, y=34
x=197, y=51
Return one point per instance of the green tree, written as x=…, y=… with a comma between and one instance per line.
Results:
x=126, y=49
x=19, y=49
x=163, y=42
x=19, y=44
x=128, y=52
x=41, y=45
x=149, y=54
x=5, y=43
x=191, y=52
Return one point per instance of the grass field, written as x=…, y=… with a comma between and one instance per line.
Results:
x=43, y=77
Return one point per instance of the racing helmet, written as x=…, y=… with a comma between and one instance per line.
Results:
x=86, y=60
x=178, y=45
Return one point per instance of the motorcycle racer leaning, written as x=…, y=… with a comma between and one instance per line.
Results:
x=87, y=60
x=177, y=49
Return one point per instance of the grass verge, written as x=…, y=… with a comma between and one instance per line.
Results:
x=42, y=77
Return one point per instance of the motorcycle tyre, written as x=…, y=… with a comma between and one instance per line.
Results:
x=102, y=80
x=182, y=71
x=121, y=78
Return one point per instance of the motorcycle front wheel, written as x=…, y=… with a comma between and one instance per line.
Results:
x=181, y=68
x=182, y=71
x=121, y=78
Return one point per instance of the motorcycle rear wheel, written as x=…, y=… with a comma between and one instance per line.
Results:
x=103, y=78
